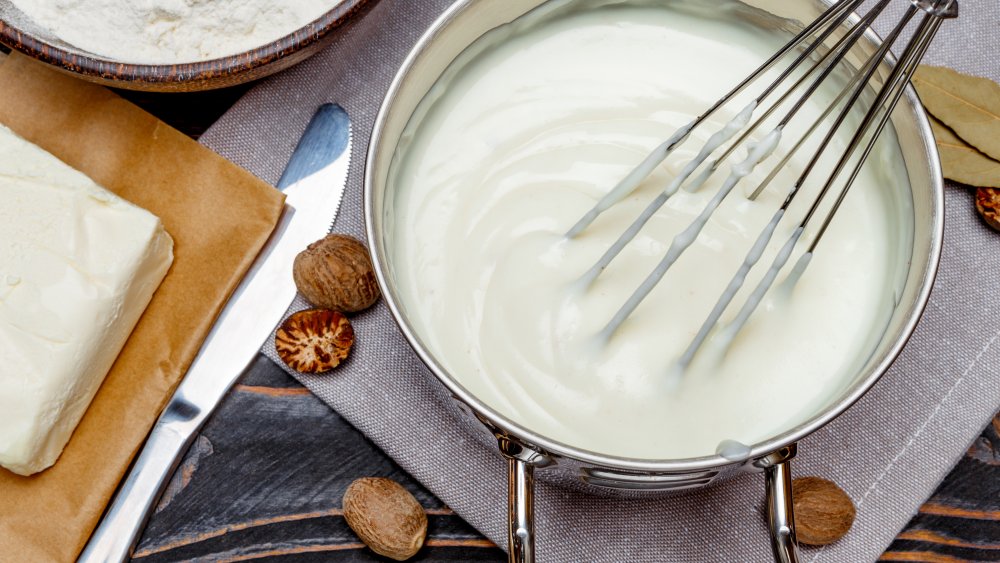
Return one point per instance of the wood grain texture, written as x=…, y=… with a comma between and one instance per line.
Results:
x=265, y=477
x=265, y=480
x=961, y=521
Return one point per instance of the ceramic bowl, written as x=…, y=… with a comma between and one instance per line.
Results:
x=184, y=77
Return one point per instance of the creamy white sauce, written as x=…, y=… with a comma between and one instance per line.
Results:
x=507, y=155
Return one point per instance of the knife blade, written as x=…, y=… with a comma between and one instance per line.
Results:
x=313, y=182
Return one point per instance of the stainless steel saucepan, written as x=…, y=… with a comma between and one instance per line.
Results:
x=527, y=451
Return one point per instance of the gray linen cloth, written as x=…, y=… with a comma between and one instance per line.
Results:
x=889, y=451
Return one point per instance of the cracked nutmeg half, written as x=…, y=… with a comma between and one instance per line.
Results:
x=988, y=204
x=314, y=341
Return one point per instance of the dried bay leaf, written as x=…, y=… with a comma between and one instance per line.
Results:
x=969, y=105
x=962, y=162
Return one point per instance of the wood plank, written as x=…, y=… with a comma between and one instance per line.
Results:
x=266, y=477
x=961, y=521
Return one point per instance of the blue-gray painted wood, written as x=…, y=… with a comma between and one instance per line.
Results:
x=266, y=476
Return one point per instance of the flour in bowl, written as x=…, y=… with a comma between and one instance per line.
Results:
x=170, y=31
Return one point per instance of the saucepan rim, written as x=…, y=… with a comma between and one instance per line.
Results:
x=537, y=441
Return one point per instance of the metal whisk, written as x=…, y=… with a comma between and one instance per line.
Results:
x=814, y=64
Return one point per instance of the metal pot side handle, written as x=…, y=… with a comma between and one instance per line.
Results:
x=521, y=511
x=521, y=464
x=780, y=515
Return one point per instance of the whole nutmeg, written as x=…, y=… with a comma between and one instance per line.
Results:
x=336, y=273
x=823, y=511
x=386, y=517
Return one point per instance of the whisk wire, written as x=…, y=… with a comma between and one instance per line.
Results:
x=930, y=28
x=811, y=44
x=812, y=129
x=871, y=128
x=686, y=238
x=828, y=62
x=826, y=24
x=717, y=140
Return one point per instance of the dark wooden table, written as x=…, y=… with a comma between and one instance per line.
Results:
x=265, y=477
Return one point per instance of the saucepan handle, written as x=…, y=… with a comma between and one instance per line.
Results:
x=521, y=464
x=780, y=516
x=520, y=511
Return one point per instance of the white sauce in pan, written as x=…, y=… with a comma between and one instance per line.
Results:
x=511, y=151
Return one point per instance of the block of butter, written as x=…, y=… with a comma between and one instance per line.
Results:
x=78, y=266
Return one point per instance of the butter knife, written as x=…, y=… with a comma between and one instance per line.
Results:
x=313, y=183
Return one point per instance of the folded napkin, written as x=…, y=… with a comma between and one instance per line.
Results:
x=889, y=451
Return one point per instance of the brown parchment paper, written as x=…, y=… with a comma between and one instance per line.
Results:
x=219, y=217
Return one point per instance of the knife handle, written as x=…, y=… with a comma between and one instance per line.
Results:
x=116, y=536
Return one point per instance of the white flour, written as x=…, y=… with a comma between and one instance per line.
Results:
x=170, y=31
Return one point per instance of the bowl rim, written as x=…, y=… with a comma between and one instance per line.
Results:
x=504, y=426
x=166, y=74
